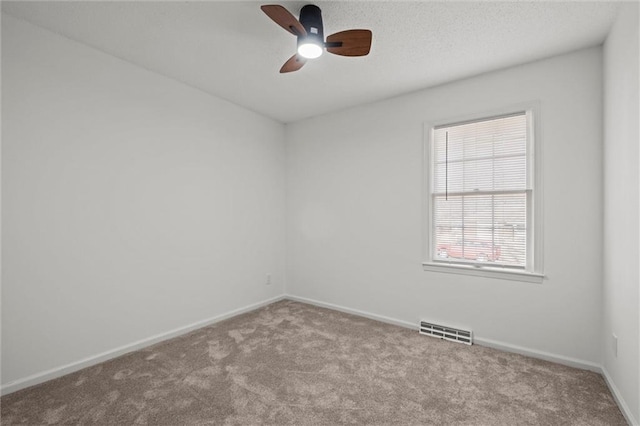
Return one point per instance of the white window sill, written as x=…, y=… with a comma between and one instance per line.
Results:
x=484, y=271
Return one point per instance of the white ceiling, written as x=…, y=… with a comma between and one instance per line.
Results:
x=234, y=51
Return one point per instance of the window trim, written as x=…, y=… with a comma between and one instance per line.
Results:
x=533, y=272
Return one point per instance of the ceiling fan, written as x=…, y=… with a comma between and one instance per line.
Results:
x=309, y=32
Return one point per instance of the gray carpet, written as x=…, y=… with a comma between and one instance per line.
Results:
x=292, y=363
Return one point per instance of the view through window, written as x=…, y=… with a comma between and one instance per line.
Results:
x=481, y=192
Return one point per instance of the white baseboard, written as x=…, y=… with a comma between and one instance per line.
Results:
x=616, y=395
x=533, y=353
x=54, y=373
x=560, y=359
x=357, y=312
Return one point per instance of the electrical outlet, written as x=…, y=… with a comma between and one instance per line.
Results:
x=614, y=345
x=268, y=282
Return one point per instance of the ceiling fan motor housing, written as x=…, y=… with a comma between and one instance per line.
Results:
x=311, y=20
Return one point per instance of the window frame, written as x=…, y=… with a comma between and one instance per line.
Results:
x=533, y=271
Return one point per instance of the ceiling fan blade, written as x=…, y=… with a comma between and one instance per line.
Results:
x=284, y=18
x=293, y=64
x=349, y=43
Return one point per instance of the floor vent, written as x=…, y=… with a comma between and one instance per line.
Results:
x=446, y=333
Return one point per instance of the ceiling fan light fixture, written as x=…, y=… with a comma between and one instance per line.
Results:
x=309, y=31
x=310, y=49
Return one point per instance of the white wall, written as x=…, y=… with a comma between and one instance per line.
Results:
x=354, y=182
x=621, y=213
x=133, y=204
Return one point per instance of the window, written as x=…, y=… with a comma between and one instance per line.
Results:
x=481, y=197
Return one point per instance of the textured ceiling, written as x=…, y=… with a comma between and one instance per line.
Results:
x=232, y=50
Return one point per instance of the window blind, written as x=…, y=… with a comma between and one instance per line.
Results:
x=480, y=192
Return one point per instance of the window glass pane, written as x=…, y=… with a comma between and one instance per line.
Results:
x=481, y=156
x=482, y=167
x=485, y=228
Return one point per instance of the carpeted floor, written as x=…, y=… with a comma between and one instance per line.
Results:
x=292, y=363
